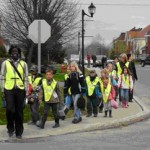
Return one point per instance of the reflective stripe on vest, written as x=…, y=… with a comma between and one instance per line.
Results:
x=106, y=92
x=48, y=89
x=91, y=85
x=119, y=68
x=35, y=82
x=12, y=77
x=126, y=80
x=66, y=76
x=113, y=73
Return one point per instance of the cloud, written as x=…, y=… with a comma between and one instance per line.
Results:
x=138, y=17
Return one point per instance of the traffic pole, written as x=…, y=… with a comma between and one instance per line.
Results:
x=39, y=46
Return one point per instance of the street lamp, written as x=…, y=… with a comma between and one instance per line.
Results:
x=91, y=10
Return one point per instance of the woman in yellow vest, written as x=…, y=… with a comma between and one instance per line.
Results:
x=93, y=93
x=123, y=61
x=51, y=94
x=125, y=83
x=108, y=93
x=35, y=80
x=14, y=74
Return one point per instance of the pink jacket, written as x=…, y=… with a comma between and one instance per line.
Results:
x=112, y=93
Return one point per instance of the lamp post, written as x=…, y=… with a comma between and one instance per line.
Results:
x=91, y=10
x=79, y=47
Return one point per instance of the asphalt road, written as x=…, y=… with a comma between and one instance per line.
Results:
x=133, y=137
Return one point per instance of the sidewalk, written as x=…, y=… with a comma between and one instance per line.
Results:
x=136, y=112
x=121, y=117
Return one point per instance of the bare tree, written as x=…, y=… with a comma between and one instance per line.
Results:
x=17, y=15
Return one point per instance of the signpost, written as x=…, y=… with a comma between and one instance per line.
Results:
x=39, y=32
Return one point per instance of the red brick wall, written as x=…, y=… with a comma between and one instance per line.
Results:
x=148, y=45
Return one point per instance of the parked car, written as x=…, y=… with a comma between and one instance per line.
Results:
x=109, y=60
x=65, y=61
x=99, y=60
x=86, y=62
x=145, y=60
x=74, y=57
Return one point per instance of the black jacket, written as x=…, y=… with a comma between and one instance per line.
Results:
x=131, y=68
x=75, y=82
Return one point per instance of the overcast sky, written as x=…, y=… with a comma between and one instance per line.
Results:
x=111, y=20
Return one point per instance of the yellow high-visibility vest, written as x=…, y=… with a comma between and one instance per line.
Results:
x=126, y=80
x=105, y=92
x=91, y=85
x=12, y=78
x=119, y=68
x=66, y=77
x=48, y=89
x=113, y=73
x=35, y=82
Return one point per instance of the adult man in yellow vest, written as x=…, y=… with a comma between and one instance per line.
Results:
x=35, y=80
x=14, y=73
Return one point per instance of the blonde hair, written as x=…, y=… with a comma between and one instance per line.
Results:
x=105, y=71
x=123, y=55
x=73, y=63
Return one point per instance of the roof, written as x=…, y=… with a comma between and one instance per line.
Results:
x=143, y=32
x=121, y=37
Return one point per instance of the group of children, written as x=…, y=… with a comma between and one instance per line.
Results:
x=100, y=91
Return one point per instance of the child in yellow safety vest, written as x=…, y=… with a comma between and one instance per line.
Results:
x=93, y=93
x=51, y=94
x=113, y=77
x=125, y=83
x=108, y=94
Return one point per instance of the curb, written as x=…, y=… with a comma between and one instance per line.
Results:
x=118, y=123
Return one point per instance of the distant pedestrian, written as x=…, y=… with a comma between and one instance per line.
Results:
x=75, y=83
x=94, y=58
x=93, y=93
x=116, y=59
x=14, y=73
x=125, y=83
x=104, y=61
x=108, y=94
x=88, y=60
x=51, y=94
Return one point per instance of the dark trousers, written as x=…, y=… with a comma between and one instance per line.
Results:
x=130, y=96
x=14, y=110
x=119, y=93
x=54, y=107
x=101, y=105
x=92, y=105
x=34, y=108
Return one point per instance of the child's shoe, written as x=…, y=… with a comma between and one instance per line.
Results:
x=110, y=113
x=105, y=113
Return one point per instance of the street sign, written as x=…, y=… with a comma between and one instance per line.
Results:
x=45, y=31
x=39, y=32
